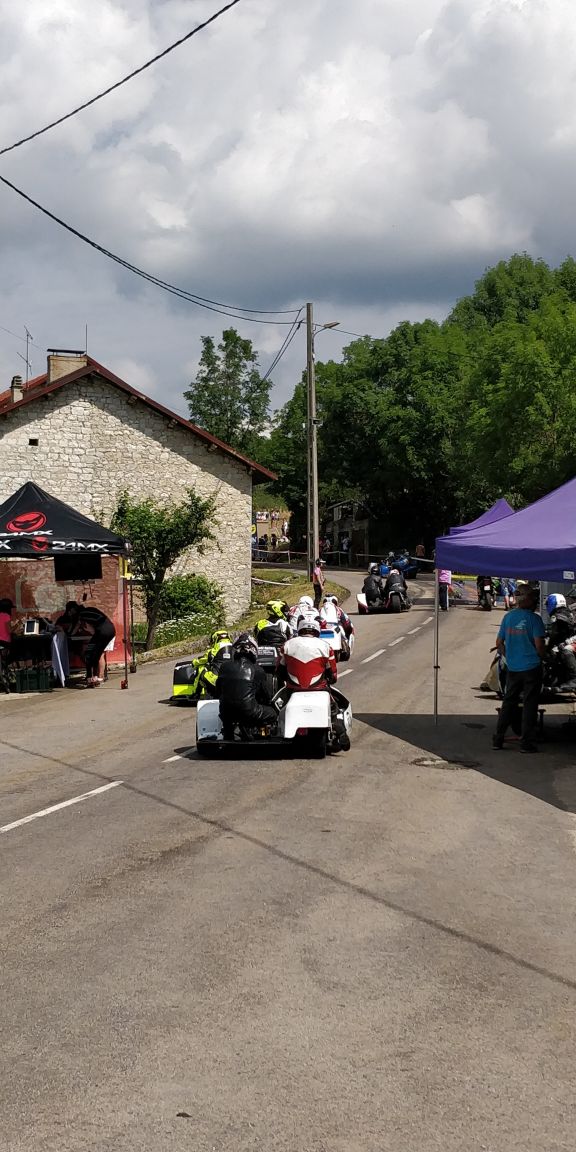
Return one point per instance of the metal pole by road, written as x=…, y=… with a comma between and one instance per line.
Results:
x=436, y=640
x=312, y=439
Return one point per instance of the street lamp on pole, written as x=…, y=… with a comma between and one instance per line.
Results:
x=313, y=524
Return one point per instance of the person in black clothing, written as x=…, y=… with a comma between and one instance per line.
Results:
x=372, y=586
x=80, y=617
x=395, y=582
x=243, y=689
x=561, y=635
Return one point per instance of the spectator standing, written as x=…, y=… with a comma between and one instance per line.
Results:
x=345, y=547
x=318, y=580
x=6, y=609
x=444, y=582
x=102, y=632
x=521, y=640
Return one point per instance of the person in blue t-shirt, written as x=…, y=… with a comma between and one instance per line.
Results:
x=521, y=640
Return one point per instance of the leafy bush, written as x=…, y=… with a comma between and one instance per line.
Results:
x=189, y=606
x=186, y=596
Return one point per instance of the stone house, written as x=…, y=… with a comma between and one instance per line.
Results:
x=85, y=436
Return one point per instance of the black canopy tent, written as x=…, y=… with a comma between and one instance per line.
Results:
x=36, y=525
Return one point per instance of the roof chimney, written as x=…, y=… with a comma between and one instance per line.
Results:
x=16, y=389
x=62, y=361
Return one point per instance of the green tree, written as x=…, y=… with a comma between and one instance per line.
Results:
x=522, y=425
x=159, y=534
x=229, y=397
x=430, y=425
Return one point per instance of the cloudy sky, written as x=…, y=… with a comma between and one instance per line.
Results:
x=373, y=156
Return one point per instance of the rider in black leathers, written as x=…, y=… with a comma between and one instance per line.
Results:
x=244, y=690
x=395, y=582
x=372, y=586
x=561, y=631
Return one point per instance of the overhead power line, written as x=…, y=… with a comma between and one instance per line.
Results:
x=16, y=336
x=255, y=316
x=119, y=83
x=345, y=332
x=285, y=346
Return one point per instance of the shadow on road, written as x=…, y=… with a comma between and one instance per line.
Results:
x=466, y=742
x=218, y=827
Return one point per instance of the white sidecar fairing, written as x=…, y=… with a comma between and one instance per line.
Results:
x=208, y=722
x=305, y=710
x=333, y=634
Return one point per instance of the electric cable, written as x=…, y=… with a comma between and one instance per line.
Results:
x=17, y=337
x=285, y=346
x=360, y=335
x=253, y=315
x=119, y=83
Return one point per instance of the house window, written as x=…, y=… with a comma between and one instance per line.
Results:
x=33, y=441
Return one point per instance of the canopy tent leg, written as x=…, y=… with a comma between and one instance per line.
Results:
x=124, y=683
x=133, y=664
x=436, y=639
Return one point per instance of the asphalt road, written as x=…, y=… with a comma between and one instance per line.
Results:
x=369, y=953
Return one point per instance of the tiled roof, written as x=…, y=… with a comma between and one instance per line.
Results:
x=39, y=387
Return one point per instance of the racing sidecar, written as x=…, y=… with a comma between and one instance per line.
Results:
x=306, y=723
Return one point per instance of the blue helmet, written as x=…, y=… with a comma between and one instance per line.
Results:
x=554, y=601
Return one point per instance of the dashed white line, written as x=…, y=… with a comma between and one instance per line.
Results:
x=413, y=631
x=428, y=620
x=58, y=807
x=346, y=672
x=398, y=641
x=372, y=657
x=170, y=759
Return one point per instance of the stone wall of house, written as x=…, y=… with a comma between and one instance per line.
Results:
x=94, y=441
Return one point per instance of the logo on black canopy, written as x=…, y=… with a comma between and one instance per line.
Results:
x=27, y=522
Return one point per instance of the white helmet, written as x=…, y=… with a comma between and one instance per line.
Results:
x=306, y=602
x=309, y=625
x=554, y=601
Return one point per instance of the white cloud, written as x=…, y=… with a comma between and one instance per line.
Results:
x=373, y=157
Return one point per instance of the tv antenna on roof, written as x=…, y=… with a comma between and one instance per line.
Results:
x=26, y=358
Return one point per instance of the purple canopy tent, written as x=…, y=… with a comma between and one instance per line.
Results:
x=538, y=543
x=498, y=511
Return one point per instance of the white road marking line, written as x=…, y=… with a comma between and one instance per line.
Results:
x=428, y=620
x=180, y=755
x=346, y=672
x=373, y=656
x=413, y=631
x=58, y=807
x=398, y=641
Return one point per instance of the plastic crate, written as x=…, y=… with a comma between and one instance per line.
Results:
x=33, y=680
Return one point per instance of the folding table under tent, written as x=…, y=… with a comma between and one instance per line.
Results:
x=36, y=525
x=498, y=511
x=537, y=543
